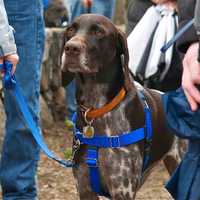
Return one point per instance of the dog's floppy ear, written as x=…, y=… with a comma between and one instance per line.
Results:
x=122, y=49
x=66, y=76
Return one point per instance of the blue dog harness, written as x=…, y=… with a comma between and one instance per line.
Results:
x=96, y=142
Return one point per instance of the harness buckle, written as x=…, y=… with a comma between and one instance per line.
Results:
x=114, y=141
x=92, y=157
x=85, y=117
x=92, y=162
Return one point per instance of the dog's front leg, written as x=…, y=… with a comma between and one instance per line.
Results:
x=175, y=155
x=83, y=183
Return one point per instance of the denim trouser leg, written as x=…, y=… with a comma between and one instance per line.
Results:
x=75, y=9
x=104, y=7
x=20, y=153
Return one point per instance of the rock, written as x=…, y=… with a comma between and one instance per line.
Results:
x=51, y=67
x=59, y=105
x=51, y=86
x=46, y=116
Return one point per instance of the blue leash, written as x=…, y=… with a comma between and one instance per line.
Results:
x=118, y=141
x=177, y=36
x=10, y=84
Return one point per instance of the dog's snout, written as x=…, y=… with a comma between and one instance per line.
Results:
x=73, y=48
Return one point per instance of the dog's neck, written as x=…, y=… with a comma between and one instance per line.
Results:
x=96, y=90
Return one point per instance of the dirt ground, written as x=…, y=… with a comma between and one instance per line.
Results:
x=57, y=183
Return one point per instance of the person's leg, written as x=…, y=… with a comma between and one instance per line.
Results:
x=20, y=153
x=75, y=9
x=104, y=7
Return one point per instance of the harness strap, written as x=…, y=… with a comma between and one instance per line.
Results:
x=113, y=141
x=148, y=138
x=148, y=131
x=12, y=87
x=94, y=173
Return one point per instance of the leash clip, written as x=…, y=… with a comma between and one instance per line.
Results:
x=88, y=131
x=76, y=147
x=114, y=142
x=85, y=117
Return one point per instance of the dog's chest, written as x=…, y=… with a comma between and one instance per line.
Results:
x=120, y=163
x=113, y=123
x=122, y=168
x=119, y=166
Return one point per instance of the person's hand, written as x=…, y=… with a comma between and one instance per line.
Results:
x=171, y=4
x=191, y=76
x=87, y=3
x=13, y=58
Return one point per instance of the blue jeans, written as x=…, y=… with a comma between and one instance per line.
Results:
x=75, y=8
x=20, y=152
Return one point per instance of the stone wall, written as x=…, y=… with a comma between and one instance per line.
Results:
x=51, y=90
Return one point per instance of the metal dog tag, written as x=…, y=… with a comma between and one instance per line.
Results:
x=88, y=131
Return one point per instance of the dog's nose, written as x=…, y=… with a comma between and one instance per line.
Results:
x=73, y=48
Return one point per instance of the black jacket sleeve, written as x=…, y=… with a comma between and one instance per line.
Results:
x=136, y=10
x=186, y=13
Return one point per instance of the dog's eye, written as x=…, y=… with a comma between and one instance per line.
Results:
x=97, y=31
x=70, y=32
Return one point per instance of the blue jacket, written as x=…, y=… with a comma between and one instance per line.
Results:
x=185, y=182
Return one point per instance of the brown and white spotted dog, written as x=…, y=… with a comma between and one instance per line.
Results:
x=92, y=51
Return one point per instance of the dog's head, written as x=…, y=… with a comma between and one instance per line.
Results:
x=92, y=43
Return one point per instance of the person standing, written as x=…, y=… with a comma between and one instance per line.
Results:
x=183, y=112
x=172, y=79
x=20, y=153
x=189, y=45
